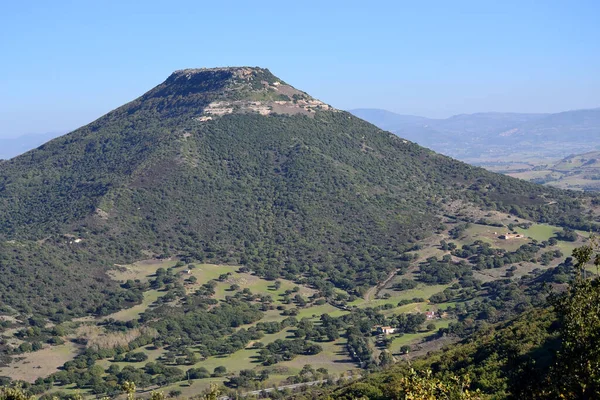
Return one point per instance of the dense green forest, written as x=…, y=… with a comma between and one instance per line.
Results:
x=324, y=197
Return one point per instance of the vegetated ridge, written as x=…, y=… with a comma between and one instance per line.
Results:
x=235, y=166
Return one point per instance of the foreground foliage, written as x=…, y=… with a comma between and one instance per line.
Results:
x=576, y=373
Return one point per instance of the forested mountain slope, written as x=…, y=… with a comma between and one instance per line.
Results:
x=236, y=166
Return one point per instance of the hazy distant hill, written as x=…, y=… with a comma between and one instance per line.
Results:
x=579, y=172
x=387, y=119
x=564, y=127
x=12, y=147
x=497, y=137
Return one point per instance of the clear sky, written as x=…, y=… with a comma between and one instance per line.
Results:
x=65, y=63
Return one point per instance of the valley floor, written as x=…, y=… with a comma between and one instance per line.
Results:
x=334, y=357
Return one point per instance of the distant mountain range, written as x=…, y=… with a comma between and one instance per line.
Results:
x=12, y=147
x=496, y=137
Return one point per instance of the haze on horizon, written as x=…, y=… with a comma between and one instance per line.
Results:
x=69, y=63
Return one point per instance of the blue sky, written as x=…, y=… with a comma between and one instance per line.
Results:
x=65, y=63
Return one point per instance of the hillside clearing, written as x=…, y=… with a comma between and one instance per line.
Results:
x=30, y=366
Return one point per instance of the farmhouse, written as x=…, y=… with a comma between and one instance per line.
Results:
x=386, y=330
x=430, y=315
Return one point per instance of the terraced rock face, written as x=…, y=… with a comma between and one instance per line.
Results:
x=253, y=90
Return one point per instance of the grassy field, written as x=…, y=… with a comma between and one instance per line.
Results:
x=141, y=270
x=334, y=358
x=488, y=234
x=69, y=389
x=241, y=359
x=186, y=390
x=539, y=232
x=412, y=338
x=408, y=308
x=523, y=268
x=445, y=306
x=134, y=312
x=568, y=247
x=421, y=291
x=153, y=355
x=317, y=311
x=30, y=366
x=206, y=272
x=252, y=282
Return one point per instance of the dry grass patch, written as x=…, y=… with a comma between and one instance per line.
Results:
x=97, y=338
x=141, y=270
x=41, y=363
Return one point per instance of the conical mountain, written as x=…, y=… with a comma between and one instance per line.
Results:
x=231, y=165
